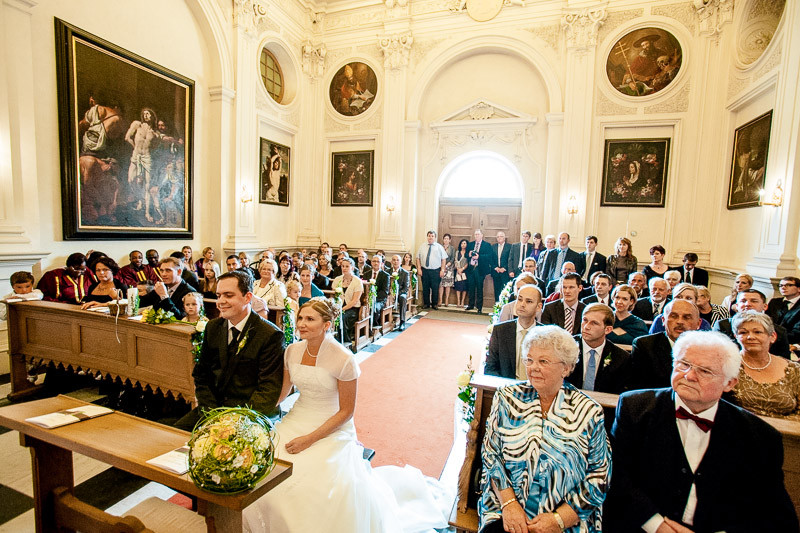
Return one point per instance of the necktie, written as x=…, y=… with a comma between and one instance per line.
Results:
x=782, y=310
x=428, y=258
x=703, y=423
x=523, y=255
x=569, y=320
x=559, y=263
x=591, y=370
x=655, y=308
x=233, y=345
x=688, y=276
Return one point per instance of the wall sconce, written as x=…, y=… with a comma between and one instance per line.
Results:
x=572, y=205
x=777, y=196
x=390, y=205
x=245, y=196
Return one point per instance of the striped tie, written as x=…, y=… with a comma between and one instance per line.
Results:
x=569, y=319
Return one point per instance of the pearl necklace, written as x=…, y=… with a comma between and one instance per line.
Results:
x=310, y=354
x=757, y=369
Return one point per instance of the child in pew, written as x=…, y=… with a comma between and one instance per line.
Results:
x=22, y=285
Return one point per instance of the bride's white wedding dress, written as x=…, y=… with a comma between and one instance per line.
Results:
x=332, y=488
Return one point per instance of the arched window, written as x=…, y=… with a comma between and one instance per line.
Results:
x=271, y=75
x=481, y=174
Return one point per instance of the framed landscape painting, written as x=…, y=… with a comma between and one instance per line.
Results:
x=635, y=172
x=749, y=164
x=352, y=178
x=274, y=164
x=125, y=130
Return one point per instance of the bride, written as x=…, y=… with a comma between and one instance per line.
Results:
x=332, y=487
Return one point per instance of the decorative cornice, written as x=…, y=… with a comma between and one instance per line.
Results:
x=712, y=15
x=581, y=27
x=395, y=48
x=247, y=14
x=314, y=59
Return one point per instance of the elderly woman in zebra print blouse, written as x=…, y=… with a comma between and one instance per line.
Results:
x=546, y=457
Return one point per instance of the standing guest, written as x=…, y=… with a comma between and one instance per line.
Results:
x=768, y=386
x=21, y=289
x=602, y=290
x=136, y=271
x=187, y=255
x=481, y=264
x=187, y=273
x=448, y=280
x=709, y=312
x=286, y=269
x=546, y=458
x=504, y=357
x=602, y=365
x=755, y=300
x=269, y=289
x=168, y=294
x=674, y=447
x=556, y=258
x=650, y=307
x=401, y=297
x=786, y=311
x=566, y=313
x=520, y=251
x=627, y=327
x=323, y=278
x=250, y=371
x=741, y=283
x=673, y=278
x=549, y=245
x=639, y=284
x=208, y=256
x=657, y=266
x=431, y=260
x=363, y=268
x=193, y=307
x=690, y=273
x=538, y=246
x=501, y=250
x=309, y=290
x=381, y=280
x=68, y=284
x=683, y=291
x=461, y=264
x=352, y=289
x=107, y=287
x=232, y=263
x=211, y=273
x=622, y=262
x=593, y=260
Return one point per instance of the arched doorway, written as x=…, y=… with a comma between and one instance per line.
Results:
x=480, y=189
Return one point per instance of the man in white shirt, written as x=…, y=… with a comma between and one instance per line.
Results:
x=594, y=261
x=503, y=358
x=686, y=461
x=603, y=366
x=431, y=259
x=502, y=253
x=519, y=252
x=785, y=311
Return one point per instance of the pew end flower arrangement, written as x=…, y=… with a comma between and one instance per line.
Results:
x=502, y=300
x=466, y=392
x=158, y=316
x=231, y=450
x=288, y=322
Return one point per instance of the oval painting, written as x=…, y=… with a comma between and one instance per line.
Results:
x=353, y=89
x=644, y=62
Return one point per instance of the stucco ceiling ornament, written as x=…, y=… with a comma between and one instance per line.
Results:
x=314, y=59
x=581, y=27
x=481, y=111
x=395, y=48
x=248, y=14
x=482, y=10
x=392, y=3
x=713, y=15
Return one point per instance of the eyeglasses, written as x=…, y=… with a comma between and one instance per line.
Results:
x=543, y=363
x=782, y=285
x=701, y=372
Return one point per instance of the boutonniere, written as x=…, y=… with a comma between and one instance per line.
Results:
x=606, y=360
x=243, y=341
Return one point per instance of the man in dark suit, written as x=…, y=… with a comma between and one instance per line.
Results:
x=241, y=358
x=500, y=275
x=639, y=284
x=602, y=365
x=168, y=294
x=785, y=311
x=504, y=358
x=677, y=453
x=651, y=306
x=755, y=300
x=602, y=283
x=519, y=253
x=381, y=286
x=481, y=263
x=593, y=261
x=556, y=312
x=555, y=259
x=403, y=280
x=691, y=273
x=552, y=286
x=651, y=355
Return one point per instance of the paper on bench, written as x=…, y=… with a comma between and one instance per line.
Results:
x=175, y=461
x=69, y=416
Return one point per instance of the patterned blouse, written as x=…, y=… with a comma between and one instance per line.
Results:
x=563, y=458
x=780, y=399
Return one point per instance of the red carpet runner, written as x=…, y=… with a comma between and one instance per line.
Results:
x=407, y=391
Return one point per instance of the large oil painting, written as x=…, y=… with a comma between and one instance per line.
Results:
x=644, y=62
x=635, y=172
x=749, y=165
x=352, y=178
x=274, y=182
x=125, y=126
x=353, y=89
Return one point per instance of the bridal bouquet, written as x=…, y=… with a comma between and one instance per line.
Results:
x=466, y=393
x=231, y=450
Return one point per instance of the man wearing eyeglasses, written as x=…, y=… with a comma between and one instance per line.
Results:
x=687, y=461
x=785, y=311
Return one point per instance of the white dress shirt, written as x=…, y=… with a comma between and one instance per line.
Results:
x=589, y=259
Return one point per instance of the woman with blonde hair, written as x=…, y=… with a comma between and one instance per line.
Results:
x=211, y=272
x=622, y=262
x=741, y=283
x=206, y=258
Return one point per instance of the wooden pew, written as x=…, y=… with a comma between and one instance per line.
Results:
x=464, y=515
x=362, y=334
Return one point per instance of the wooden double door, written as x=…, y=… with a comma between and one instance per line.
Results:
x=461, y=218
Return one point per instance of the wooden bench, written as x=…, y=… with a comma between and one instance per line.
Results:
x=464, y=514
x=362, y=335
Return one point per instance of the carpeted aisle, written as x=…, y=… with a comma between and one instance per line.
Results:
x=407, y=392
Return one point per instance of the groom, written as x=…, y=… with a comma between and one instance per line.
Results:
x=241, y=358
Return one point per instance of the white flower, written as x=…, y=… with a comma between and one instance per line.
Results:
x=339, y=290
x=215, y=478
x=464, y=378
x=201, y=326
x=254, y=469
x=199, y=448
x=238, y=461
x=372, y=282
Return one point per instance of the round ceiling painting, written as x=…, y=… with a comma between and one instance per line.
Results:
x=644, y=62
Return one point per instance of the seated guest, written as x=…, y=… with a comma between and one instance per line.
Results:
x=529, y=265
x=602, y=365
x=323, y=277
x=639, y=284
x=309, y=290
x=107, y=287
x=168, y=294
x=408, y=262
x=251, y=372
x=651, y=354
x=754, y=300
x=786, y=310
x=206, y=259
x=768, y=386
x=649, y=307
x=337, y=270
x=504, y=357
x=673, y=278
x=297, y=260
x=187, y=274
x=211, y=273
x=232, y=263
x=377, y=273
x=293, y=289
x=403, y=280
x=269, y=289
x=566, y=312
x=546, y=458
x=193, y=307
x=627, y=327
x=68, y=284
x=91, y=257
x=657, y=266
x=21, y=289
x=691, y=273
x=683, y=291
x=136, y=271
x=153, y=261
x=622, y=262
x=602, y=284
x=675, y=451
x=552, y=287
x=352, y=289
x=741, y=283
x=709, y=312
x=187, y=256
x=363, y=268
x=507, y=311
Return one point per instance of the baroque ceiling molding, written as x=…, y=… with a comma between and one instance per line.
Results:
x=314, y=59
x=396, y=48
x=581, y=27
x=712, y=16
x=248, y=14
